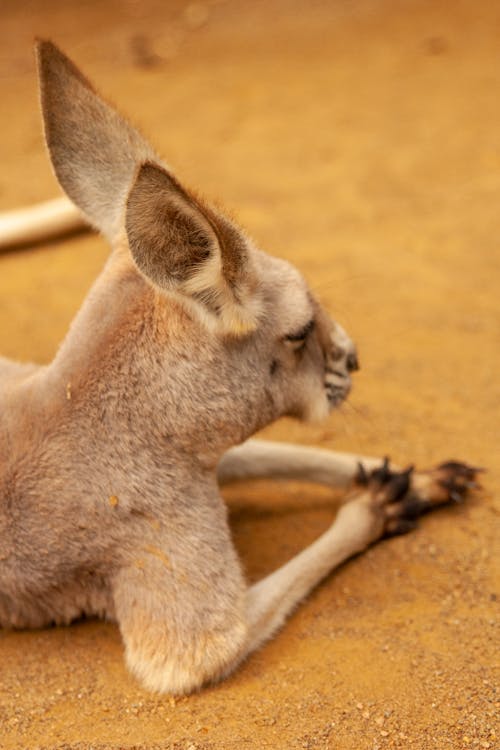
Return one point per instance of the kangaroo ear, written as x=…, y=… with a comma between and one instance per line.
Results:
x=94, y=151
x=183, y=246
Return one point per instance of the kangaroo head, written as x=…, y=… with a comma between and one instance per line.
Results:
x=253, y=339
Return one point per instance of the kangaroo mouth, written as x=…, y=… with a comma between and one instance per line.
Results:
x=336, y=393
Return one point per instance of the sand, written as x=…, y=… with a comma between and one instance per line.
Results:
x=360, y=140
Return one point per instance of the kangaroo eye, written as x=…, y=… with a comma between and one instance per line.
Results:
x=298, y=339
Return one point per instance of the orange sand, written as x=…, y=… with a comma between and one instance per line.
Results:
x=361, y=141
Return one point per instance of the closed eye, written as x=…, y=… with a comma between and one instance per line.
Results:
x=298, y=338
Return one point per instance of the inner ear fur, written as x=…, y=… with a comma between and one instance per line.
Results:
x=181, y=245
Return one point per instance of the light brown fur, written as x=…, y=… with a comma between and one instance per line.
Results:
x=111, y=456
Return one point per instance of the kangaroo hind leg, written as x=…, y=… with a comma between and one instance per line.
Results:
x=181, y=612
x=190, y=620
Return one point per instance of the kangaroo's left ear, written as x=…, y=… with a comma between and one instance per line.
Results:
x=182, y=245
x=94, y=151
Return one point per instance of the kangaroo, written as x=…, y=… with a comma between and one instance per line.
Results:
x=111, y=457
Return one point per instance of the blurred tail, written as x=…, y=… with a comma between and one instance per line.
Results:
x=43, y=221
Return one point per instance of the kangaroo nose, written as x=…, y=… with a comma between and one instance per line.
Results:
x=352, y=362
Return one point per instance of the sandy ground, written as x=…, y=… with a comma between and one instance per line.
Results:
x=361, y=141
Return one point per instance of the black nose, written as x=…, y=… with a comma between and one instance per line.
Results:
x=352, y=362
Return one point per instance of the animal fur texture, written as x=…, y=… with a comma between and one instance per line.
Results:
x=111, y=457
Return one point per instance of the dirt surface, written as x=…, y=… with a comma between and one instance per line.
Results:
x=361, y=141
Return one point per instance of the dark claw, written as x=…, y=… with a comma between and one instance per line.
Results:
x=456, y=491
x=460, y=469
x=452, y=485
x=383, y=473
x=399, y=485
x=361, y=475
x=395, y=484
x=457, y=478
x=473, y=485
x=413, y=508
